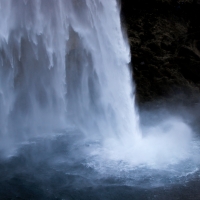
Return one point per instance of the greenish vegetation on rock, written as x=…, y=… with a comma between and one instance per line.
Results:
x=165, y=49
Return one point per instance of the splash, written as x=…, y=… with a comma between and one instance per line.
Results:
x=66, y=63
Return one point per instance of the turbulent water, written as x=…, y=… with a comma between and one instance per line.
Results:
x=64, y=70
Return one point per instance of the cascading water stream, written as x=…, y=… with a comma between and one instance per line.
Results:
x=66, y=63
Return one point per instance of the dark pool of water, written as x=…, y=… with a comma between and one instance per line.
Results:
x=56, y=169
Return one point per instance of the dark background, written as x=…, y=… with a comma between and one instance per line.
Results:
x=164, y=37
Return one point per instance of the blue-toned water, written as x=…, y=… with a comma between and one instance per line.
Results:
x=69, y=127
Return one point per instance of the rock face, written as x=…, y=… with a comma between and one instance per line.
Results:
x=165, y=47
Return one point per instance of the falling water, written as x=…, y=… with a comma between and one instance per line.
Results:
x=65, y=63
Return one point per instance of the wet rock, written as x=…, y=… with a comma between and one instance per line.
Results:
x=164, y=37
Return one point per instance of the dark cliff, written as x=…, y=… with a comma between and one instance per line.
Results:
x=165, y=49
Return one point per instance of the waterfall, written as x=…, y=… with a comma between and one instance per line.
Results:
x=69, y=127
x=64, y=62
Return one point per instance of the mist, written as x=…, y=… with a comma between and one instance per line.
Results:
x=68, y=115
